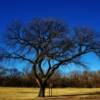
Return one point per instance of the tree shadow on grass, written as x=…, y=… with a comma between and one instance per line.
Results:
x=93, y=93
x=70, y=97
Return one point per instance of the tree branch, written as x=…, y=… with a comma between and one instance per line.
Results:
x=40, y=68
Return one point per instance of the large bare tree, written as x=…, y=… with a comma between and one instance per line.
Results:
x=48, y=44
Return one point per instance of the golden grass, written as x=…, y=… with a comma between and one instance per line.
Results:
x=7, y=93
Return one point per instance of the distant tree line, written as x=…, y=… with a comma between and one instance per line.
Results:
x=84, y=79
x=14, y=78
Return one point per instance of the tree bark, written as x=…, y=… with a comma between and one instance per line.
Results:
x=42, y=90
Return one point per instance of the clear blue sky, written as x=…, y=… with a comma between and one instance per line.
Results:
x=73, y=12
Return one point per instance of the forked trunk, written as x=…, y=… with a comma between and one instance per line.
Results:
x=42, y=91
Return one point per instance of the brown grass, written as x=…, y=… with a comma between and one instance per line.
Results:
x=58, y=94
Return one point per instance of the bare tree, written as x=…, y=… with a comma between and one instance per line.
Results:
x=48, y=43
x=2, y=70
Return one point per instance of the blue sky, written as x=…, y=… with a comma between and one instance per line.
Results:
x=72, y=12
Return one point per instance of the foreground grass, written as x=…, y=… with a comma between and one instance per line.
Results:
x=7, y=93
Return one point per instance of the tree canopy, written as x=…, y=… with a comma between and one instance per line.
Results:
x=48, y=41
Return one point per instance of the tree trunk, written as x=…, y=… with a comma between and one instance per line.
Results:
x=42, y=91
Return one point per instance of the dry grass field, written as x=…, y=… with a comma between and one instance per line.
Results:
x=7, y=93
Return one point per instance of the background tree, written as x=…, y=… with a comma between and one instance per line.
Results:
x=48, y=44
x=2, y=71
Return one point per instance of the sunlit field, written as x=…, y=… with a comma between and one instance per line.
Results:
x=57, y=93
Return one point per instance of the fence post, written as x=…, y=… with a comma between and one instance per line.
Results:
x=50, y=89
